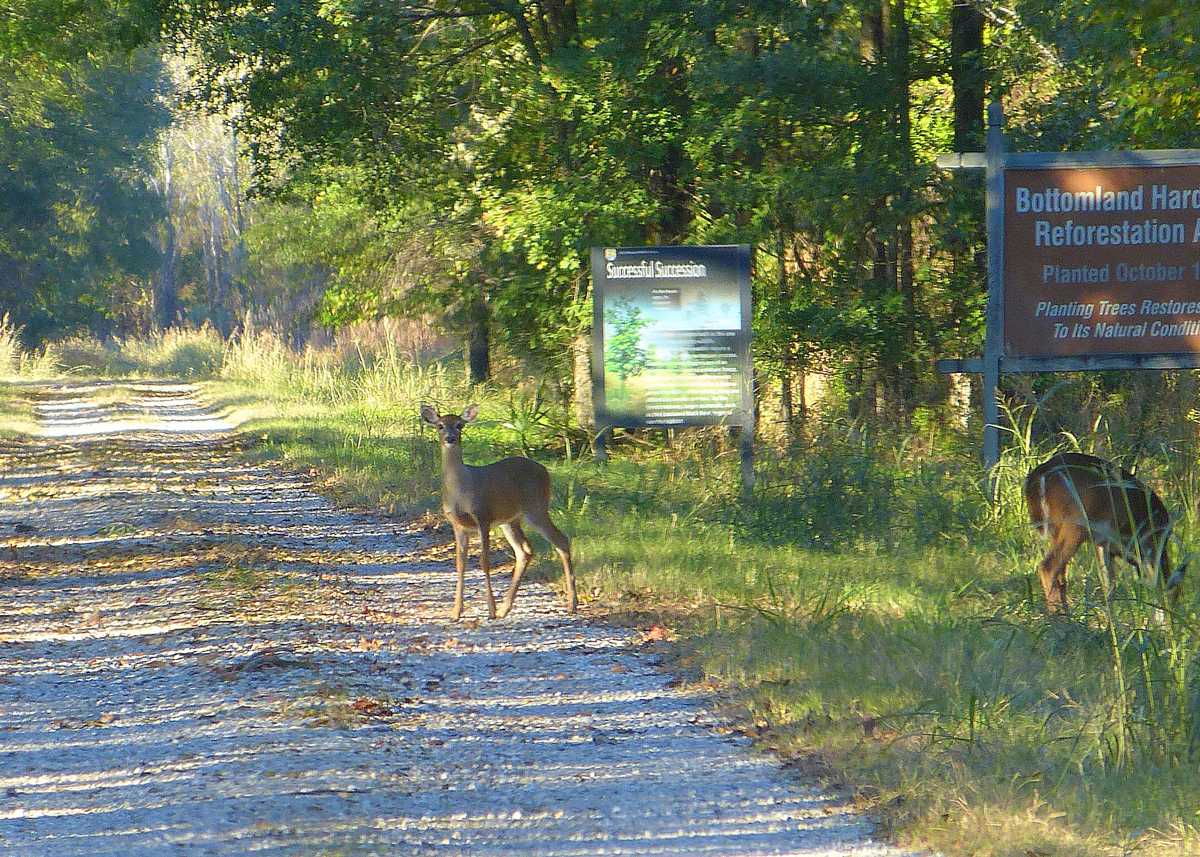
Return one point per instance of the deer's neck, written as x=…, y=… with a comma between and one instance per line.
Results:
x=454, y=471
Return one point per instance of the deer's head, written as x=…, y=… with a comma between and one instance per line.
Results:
x=449, y=426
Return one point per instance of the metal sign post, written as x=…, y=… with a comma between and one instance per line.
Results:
x=994, y=337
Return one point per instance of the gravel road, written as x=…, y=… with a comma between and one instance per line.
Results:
x=203, y=656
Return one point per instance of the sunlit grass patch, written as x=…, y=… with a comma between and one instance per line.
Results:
x=260, y=583
x=17, y=418
x=240, y=578
x=967, y=719
x=20, y=363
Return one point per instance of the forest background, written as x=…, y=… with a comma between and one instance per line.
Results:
x=336, y=204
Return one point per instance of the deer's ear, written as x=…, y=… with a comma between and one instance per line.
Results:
x=429, y=415
x=471, y=412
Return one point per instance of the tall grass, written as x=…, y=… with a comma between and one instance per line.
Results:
x=18, y=363
x=1152, y=646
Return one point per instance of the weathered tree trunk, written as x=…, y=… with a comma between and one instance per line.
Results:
x=166, y=286
x=581, y=354
x=898, y=44
x=786, y=407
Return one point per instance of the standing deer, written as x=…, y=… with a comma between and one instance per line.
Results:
x=475, y=499
x=1074, y=498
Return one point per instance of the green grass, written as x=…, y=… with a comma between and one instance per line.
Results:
x=19, y=371
x=16, y=411
x=867, y=612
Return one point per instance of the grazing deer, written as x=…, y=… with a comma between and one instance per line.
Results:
x=475, y=499
x=1074, y=498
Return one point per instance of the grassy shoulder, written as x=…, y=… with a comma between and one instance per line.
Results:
x=921, y=671
x=17, y=418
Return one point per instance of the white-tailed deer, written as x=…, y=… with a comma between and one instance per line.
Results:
x=1074, y=498
x=475, y=499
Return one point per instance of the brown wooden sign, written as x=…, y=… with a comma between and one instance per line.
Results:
x=1093, y=263
x=1101, y=260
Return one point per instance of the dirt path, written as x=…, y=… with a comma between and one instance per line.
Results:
x=199, y=656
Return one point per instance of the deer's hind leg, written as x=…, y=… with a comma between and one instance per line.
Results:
x=540, y=520
x=523, y=553
x=1105, y=554
x=1064, y=542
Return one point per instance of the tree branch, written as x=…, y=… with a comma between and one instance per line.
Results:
x=517, y=14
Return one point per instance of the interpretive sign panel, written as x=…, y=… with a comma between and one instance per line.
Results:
x=1101, y=260
x=671, y=336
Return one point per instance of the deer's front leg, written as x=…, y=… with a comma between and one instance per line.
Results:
x=461, y=545
x=485, y=563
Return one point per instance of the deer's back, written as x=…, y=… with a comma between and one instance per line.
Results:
x=506, y=488
x=1094, y=493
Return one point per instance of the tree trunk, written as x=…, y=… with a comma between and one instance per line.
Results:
x=581, y=348
x=230, y=186
x=478, y=352
x=166, y=292
x=166, y=287
x=667, y=178
x=967, y=75
x=233, y=252
x=802, y=415
x=218, y=284
x=786, y=408
x=898, y=39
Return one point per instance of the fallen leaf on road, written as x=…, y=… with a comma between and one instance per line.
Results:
x=371, y=708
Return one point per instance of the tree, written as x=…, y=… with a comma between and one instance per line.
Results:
x=78, y=210
x=624, y=355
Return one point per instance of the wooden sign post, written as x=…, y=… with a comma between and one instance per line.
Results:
x=1093, y=263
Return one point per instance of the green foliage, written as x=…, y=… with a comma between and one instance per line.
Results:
x=324, y=230
x=77, y=222
x=456, y=161
x=1143, y=60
